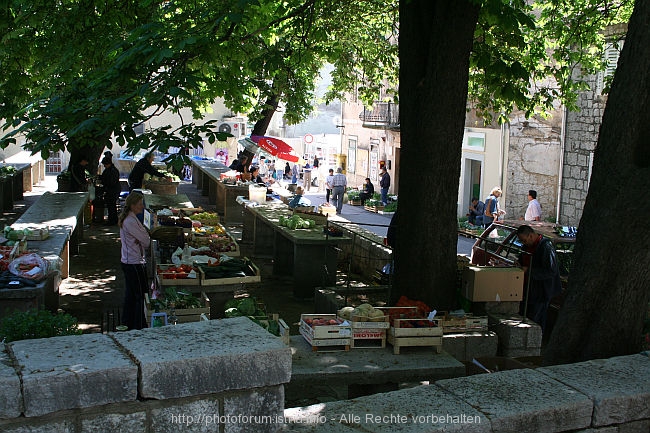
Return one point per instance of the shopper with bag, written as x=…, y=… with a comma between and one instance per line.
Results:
x=492, y=209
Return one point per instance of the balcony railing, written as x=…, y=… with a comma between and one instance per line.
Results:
x=384, y=115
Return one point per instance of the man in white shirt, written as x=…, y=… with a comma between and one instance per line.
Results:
x=534, y=210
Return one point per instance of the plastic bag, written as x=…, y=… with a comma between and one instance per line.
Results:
x=91, y=192
x=30, y=266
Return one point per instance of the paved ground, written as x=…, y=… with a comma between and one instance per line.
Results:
x=95, y=285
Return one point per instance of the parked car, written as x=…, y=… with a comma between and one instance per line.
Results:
x=499, y=245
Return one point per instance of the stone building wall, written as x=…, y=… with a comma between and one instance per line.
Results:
x=533, y=163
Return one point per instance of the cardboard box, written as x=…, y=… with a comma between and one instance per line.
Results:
x=492, y=284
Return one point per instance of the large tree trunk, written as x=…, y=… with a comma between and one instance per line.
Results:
x=435, y=43
x=609, y=287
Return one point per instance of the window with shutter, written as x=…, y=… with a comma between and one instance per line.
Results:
x=610, y=56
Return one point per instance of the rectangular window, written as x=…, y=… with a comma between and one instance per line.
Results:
x=474, y=141
x=352, y=155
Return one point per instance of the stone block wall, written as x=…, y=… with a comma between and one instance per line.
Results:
x=599, y=396
x=219, y=375
x=581, y=136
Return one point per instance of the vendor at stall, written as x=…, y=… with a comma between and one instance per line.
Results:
x=141, y=168
x=367, y=191
x=298, y=200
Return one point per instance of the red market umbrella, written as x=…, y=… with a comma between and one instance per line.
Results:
x=271, y=145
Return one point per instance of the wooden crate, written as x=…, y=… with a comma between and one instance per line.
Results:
x=255, y=278
x=455, y=324
x=325, y=337
x=355, y=202
x=363, y=322
x=183, y=315
x=368, y=338
x=327, y=210
x=38, y=233
x=399, y=336
x=165, y=280
x=374, y=209
x=284, y=328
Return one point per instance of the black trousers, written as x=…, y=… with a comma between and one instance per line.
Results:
x=110, y=201
x=137, y=284
x=327, y=195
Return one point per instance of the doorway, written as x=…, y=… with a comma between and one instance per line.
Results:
x=471, y=187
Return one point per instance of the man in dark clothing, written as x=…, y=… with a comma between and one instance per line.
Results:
x=111, y=183
x=367, y=192
x=541, y=274
x=239, y=164
x=78, y=175
x=476, y=211
x=141, y=167
x=384, y=184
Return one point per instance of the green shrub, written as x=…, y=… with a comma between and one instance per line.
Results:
x=25, y=325
x=391, y=207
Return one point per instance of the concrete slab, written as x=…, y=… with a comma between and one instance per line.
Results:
x=10, y=397
x=91, y=364
x=369, y=366
x=426, y=408
x=522, y=401
x=619, y=387
x=200, y=358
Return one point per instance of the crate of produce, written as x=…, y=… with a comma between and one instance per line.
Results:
x=364, y=317
x=327, y=209
x=325, y=332
x=373, y=208
x=187, y=307
x=177, y=275
x=232, y=271
x=368, y=338
x=217, y=243
x=415, y=332
x=207, y=218
x=275, y=325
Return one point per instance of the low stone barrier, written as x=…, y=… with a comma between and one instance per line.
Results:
x=599, y=396
x=203, y=376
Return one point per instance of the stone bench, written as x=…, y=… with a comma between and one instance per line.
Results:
x=63, y=215
x=203, y=376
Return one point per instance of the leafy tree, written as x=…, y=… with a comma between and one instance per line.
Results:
x=120, y=72
x=608, y=295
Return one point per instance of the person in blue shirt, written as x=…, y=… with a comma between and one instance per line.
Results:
x=476, y=212
x=298, y=199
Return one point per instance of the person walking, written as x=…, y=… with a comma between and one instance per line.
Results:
x=306, y=177
x=111, y=182
x=384, y=184
x=541, y=274
x=339, y=182
x=328, y=185
x=534, y=209
x=142, y=167
x=135, y=242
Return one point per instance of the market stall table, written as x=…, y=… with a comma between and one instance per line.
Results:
x=307, y=254
x=160, y=201
x=62, y=213
x=206, y=174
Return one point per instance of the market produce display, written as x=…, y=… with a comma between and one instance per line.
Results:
x=230, y=268
x=207, y=218
x=179, y=299
x=174, y=272
x=295, y=222
x=166, y=220
x=218, y=243
x=255, y=311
